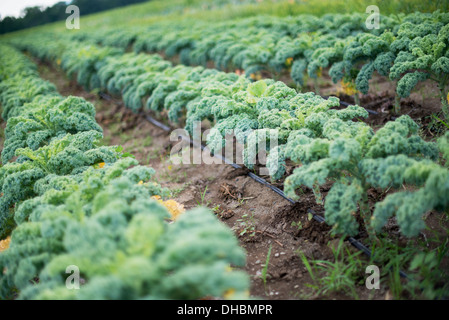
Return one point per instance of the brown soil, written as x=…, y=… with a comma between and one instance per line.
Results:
x=423, y=103
x=259, y=217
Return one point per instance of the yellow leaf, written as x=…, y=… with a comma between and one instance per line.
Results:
x=288, y=61
x=255, y=76
x=348, y=88
x=174, y=208
x=4, y=244
x=229, y=294
x=99, y=165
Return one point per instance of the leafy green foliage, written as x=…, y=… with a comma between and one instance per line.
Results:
x=393, y=156
x=110, y=209
x=40, y=123
x=422, y=53
x=67, y=200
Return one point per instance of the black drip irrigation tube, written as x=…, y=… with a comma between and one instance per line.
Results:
x=354, y=242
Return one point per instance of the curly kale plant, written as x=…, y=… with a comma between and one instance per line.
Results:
x=360, y=159
x=85, y=61
x=65, y=155
x=423, y=53
x=41, y=122
x=108, y=222
x=306, y=114
x=244, y=107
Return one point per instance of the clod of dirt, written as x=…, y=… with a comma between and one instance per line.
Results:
x=226, y=214
x=315, y=251
x=228, y=192
x=288, y=268
x=315, y=231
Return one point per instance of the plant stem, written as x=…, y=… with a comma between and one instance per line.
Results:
x=397, y=105
x=365, y=211
x=265, y=269
x=357, y=99
x=444, y=102
x=316, y=86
